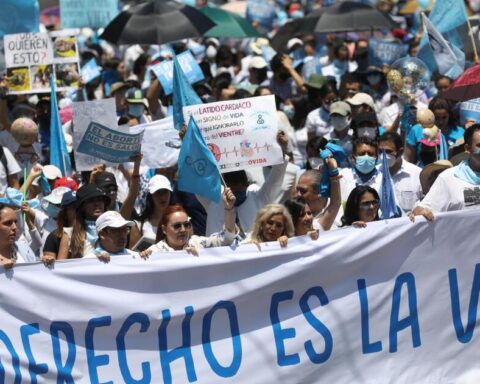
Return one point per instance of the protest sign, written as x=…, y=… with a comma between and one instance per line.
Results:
x=240, y=133
x=90, y=71
x=262, y=12
x=396, y=302
x=19, y=16
x=470, y=110
x=109, y=144
x=32, y=57
x=87, y=13
x=160, y=144
x=84, y=112
x=191, y=69
x=382, y=52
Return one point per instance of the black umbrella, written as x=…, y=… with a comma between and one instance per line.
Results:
x=156, y=22
x=347, y=16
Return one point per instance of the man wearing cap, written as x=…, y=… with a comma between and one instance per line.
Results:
x=365, y=124
x=108, y=183
x=456, y=188
x=340, y=117
x=136, y=107
x=361, y=102
x=320, y=96
x=112, y=230
x=257, y=69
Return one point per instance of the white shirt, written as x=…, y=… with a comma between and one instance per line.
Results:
x=350, y=180
x=448, y=193
x=407, y=187
x=318, y=122
x=388, y=115
x=13, y=169
x=257, y=198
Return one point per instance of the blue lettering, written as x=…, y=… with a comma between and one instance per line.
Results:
x=279, y=333
x=367, y=347
x=184, y=351
x=233, y=368
x=144, y=322
x=316, y=358
x=464, y=335
x=15, y=360
x=95, y=361
x=33, y=368
x=397, y=325
x=64, y=371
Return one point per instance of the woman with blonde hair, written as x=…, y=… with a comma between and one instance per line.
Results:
x=272, y=223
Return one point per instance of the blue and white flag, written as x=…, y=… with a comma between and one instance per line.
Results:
x=443, y=155
x=388, y=204
x=197, y=168
x=183, y=94
x=449, y=58
x=58, y=148
x=19, y=16
x=90, y=71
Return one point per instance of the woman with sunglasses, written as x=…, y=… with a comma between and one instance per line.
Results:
x=175, y=230
x=272, y=223
x=362, y=207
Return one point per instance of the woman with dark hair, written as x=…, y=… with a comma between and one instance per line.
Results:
x=91, y=203
x=445, y=120
x=362, y=207
x=302, y=217
x=318, y=120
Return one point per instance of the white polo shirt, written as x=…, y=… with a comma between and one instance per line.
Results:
x=407, y=187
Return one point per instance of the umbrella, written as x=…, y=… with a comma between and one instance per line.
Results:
x=466, y=87
x=156, y=22
x=347, y=16
x=239, y=7
x=228, y=24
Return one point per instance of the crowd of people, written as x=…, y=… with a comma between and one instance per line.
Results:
x=337, y=121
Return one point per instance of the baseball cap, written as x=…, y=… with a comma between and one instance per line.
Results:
x=51, y=172
x=158, y=182
x=316, y=81
x=134, y=96
x=111, y=219
x=117, y=86
x=292, y=42
x=362, y=98
x=90, y=191
x=55, y=197
x=68, y=198
x=66, y=181
x=340, y=108
x=257, y=62
x=105, y=179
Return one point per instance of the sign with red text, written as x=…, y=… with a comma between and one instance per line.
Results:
x=31, y=58
x=240, y=133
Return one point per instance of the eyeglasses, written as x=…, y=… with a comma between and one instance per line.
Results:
x=178, y=226
x=367, y=204
x=275, y=224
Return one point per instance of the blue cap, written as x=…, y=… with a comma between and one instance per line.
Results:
x=68, y=198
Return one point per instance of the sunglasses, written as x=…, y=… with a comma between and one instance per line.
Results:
x=367, y=204
x=178, y=226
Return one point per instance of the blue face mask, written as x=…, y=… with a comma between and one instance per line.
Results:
x=136, y=110
x=240, y=196
x=289, y=111
x=365, y=164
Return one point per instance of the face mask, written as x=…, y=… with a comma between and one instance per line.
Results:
x=289, y=111
x=136, y=110
x=365, y=164
x=340, y=123
x=315, y=162
x=370, y=132
x=391, y=159
x=374, y=79
x=240, y=196
x=52, y=211
x=211, y=52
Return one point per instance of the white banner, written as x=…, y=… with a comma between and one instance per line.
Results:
x=240, y=133
x=393, y=303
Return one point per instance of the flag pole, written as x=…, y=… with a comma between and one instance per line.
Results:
x=24, y=191
x=470, y=32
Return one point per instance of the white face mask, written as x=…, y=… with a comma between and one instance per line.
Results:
x=211, y=52
x=391, y=159
x=315, y=162
x=340, y=123
x=370, y=132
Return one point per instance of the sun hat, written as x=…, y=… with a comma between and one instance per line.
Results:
x=111, y=219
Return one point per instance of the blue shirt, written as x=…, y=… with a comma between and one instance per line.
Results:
x=416, y=134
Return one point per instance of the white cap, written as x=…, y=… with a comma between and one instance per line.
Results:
x=213, y=40
x=55, y=197
x=158, y=182
x=112, y=219
x=362, y=98
x=292, y=42
x=257, y=62
x=51, y=172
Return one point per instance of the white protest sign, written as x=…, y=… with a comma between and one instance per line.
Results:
x=160, y=144
x=31, y=58
x=85, y=112
x=396, y=302
x=240, y=133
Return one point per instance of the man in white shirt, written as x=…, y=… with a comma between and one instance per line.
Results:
x=456, y=188
x=405, y=175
